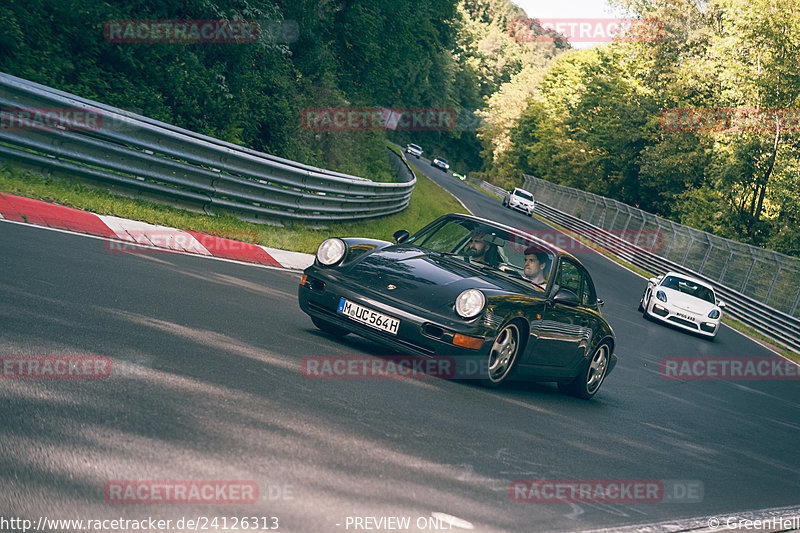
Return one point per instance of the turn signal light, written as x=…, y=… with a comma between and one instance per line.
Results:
x=473, y=343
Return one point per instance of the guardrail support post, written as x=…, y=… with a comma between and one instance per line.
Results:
x=774, y=281
x=796, y=303
x=747, y=277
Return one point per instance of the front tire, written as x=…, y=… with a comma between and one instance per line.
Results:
x=643, y=307
x=587, y=383
x=503, y=355
x=327, y=327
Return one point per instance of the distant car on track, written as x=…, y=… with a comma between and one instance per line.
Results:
x=469, y=289
x=440, y=163
x=414, y=150
x=521, y=200
x=684, y=302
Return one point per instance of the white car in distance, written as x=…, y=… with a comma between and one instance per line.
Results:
x=684, y=302
x=414, y=149
x=521, y=200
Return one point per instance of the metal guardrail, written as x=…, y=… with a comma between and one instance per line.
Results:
x=139, y=155
x=771, y=322
x=764, y=275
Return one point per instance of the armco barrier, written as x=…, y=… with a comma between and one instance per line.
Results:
x=771, y=322
x=139, y=155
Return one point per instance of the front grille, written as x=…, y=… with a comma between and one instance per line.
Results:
x=683, y=322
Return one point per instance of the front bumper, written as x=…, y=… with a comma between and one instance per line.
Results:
x=527, y=209
x=680, y=318
x=419, y=333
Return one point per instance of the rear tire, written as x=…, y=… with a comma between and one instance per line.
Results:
x=327, y=327
x=587, y=383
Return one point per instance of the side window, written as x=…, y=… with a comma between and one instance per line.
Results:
x=588, y=294
x=569, y=277
x=576, y=279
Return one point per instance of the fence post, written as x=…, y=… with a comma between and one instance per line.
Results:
x=688, y=249
x=774, y=281
x=725, y=268
x=749, y=272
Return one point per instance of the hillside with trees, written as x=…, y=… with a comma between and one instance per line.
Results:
x=637, y=120
x=699, y=125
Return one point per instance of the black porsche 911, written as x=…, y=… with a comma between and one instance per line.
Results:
x=467, y=288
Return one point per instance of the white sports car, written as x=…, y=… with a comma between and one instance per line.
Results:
x=684, y=302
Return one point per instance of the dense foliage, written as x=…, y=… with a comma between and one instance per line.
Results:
x=593, y=119
x=631, y=120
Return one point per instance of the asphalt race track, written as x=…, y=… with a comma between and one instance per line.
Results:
x=206, y=384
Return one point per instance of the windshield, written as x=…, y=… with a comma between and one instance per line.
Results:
x=523, y=194
x=689, y=287
x=491, y=247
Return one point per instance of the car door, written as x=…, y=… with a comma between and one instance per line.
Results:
x=565, y=328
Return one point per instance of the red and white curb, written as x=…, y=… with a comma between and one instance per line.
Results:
x=37, y=212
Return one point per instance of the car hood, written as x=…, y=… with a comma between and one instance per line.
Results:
x=427, y=279
x=687, y=302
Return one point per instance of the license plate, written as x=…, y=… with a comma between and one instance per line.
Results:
x=687, y=317
x=367, y=316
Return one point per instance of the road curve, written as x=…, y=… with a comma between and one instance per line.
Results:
x=206, y=384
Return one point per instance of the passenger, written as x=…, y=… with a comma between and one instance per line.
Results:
x=535, y=265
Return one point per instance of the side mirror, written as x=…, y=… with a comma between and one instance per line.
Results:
x=566, y=297
x=654, y=281
x=721, y=305
x=600, y=303
x=401, y=236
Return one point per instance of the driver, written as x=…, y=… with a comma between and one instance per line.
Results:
x=535, y=265
x=479, y=249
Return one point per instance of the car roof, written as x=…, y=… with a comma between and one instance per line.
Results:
x=544, y=244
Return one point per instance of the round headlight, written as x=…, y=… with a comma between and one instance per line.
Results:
x=661, y=296
x=469, y=303
x=331, y=251
x=714, y=313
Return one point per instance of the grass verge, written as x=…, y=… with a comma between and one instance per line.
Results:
x=428, y=202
